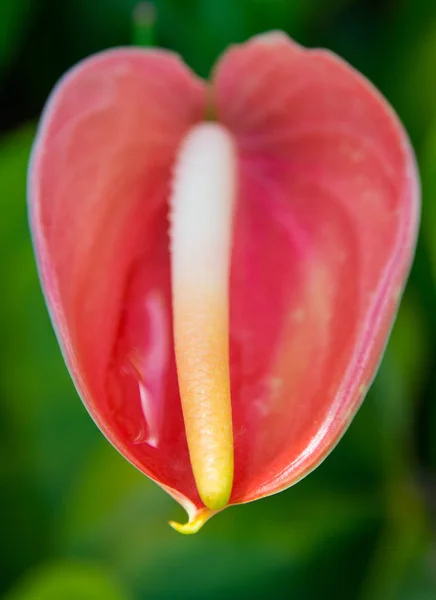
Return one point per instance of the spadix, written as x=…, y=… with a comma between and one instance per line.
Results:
x=201, y=214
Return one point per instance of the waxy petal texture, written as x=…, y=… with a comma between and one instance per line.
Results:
x=99, y=183
x=328, y=215
x=324, y=230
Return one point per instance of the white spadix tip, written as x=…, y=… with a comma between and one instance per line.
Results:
x=202, y=201
x=201, y=214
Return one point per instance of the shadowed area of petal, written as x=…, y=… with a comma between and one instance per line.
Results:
x=324, y=235
x=98, y=187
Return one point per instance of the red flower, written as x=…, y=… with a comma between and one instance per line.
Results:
x=263, y=253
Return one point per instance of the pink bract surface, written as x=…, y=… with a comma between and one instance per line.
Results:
x=325, y=228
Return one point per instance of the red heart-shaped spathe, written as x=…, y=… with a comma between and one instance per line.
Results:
x=324, y=232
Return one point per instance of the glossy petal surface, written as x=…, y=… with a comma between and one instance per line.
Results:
x=99, y=183
x=324, y=232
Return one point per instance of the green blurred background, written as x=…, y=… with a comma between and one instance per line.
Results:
x=77, y=522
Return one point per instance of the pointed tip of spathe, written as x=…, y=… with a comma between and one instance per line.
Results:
x=195, y=523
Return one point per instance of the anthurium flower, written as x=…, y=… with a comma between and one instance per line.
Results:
x=222, y=261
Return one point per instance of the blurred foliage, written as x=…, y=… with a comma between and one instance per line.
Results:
x=14, y=17
x=78, y=522
x=67, y=581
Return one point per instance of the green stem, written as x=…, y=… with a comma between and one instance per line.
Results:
x=144, y=19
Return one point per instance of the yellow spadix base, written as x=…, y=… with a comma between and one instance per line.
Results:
x=201, y=214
